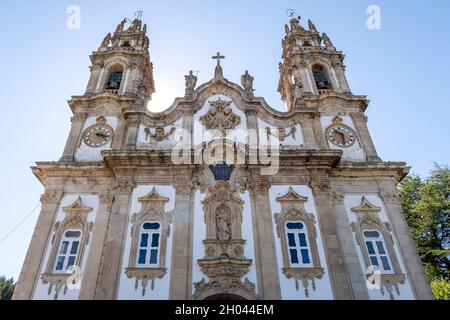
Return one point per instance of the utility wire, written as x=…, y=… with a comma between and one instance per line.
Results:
x=20, y=223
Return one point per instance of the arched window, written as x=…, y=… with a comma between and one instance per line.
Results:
x=67, y=251
x=149, y=241
x=297, y=239
x=114, y=81
x=320, y=77
x=376, y=250
x=126, y=44
x=306, y=43
x=115, y=77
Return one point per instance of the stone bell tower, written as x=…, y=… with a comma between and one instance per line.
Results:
x=121, y=65
x=311, y=65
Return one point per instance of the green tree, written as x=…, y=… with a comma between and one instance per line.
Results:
x=441, y=289
x=426, y=206
x=6, y=288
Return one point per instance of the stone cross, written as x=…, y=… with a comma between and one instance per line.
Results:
x=218, y=57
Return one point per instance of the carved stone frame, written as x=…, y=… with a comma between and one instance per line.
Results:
x=75, y=219
x=368, y=218
x=152, y=210
x=224, y=263
x=292, y=210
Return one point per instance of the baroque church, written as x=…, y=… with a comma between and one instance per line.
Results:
x=220, y=196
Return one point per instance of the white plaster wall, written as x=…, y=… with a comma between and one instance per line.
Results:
x=127, y=289
x=86, y=153
x=355, y=152
x=200, y=235
x=288, y=291
x=142, y=143
x=200, y=133
x=352, y=201
x=41, y=290
x=289, y=141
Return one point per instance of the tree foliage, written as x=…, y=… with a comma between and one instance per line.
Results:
x=6, y=288
x=441, y=289
x=426, y=206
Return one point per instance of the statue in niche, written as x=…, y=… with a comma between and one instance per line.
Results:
x=190, y=83
x=159, y=135
x=223, y=223
x=297, y=87
x=247, y=84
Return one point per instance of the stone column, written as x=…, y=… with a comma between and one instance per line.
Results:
x=181, y=266
x=319, y=133
x=117, y=142
x=266, y=258
x=360, y=121
x=406, y=246
x=331, y=241
x=91, y=271
x=304, y=75
x=349, y=250
x=340, y=73
x=34, y=259
x=110, y=268
x=74, y=136
x=308, y=133
x=253, y=135
x=132, y=132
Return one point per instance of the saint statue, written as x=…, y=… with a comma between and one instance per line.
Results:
x=190, y=83
x=247, y=83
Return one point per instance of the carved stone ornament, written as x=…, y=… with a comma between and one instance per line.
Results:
x=281, y=133
x=367, y=216
x=75, y=219
x=159, y=136
x=220, y=117
x=152, y=209
x=293, y=210
x=224, y=263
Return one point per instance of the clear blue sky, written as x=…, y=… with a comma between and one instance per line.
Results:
x=404, y=69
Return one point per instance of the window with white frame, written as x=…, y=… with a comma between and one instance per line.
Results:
x=376, y=249
x=149, y=242
x=67, y=251
x=298, y=247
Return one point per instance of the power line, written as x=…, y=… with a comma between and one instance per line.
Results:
x=19, y=224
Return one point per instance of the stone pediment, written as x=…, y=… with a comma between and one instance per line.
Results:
x=366, y=206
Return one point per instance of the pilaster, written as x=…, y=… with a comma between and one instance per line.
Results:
x=77, y=120
x=91, y=271
x=180, y=283
x=407, y=247
x=366, y=140
x=331, y=241
x=29, y=274
x=110, y=267
x=132, y=132
x=349, y=250
x=266, y=258
x=117, y=142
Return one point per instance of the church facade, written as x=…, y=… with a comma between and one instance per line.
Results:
x=220, y=196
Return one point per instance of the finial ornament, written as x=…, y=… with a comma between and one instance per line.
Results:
x=218, y=71
x=106, y=41
x=327, y=41
x=311, y=26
